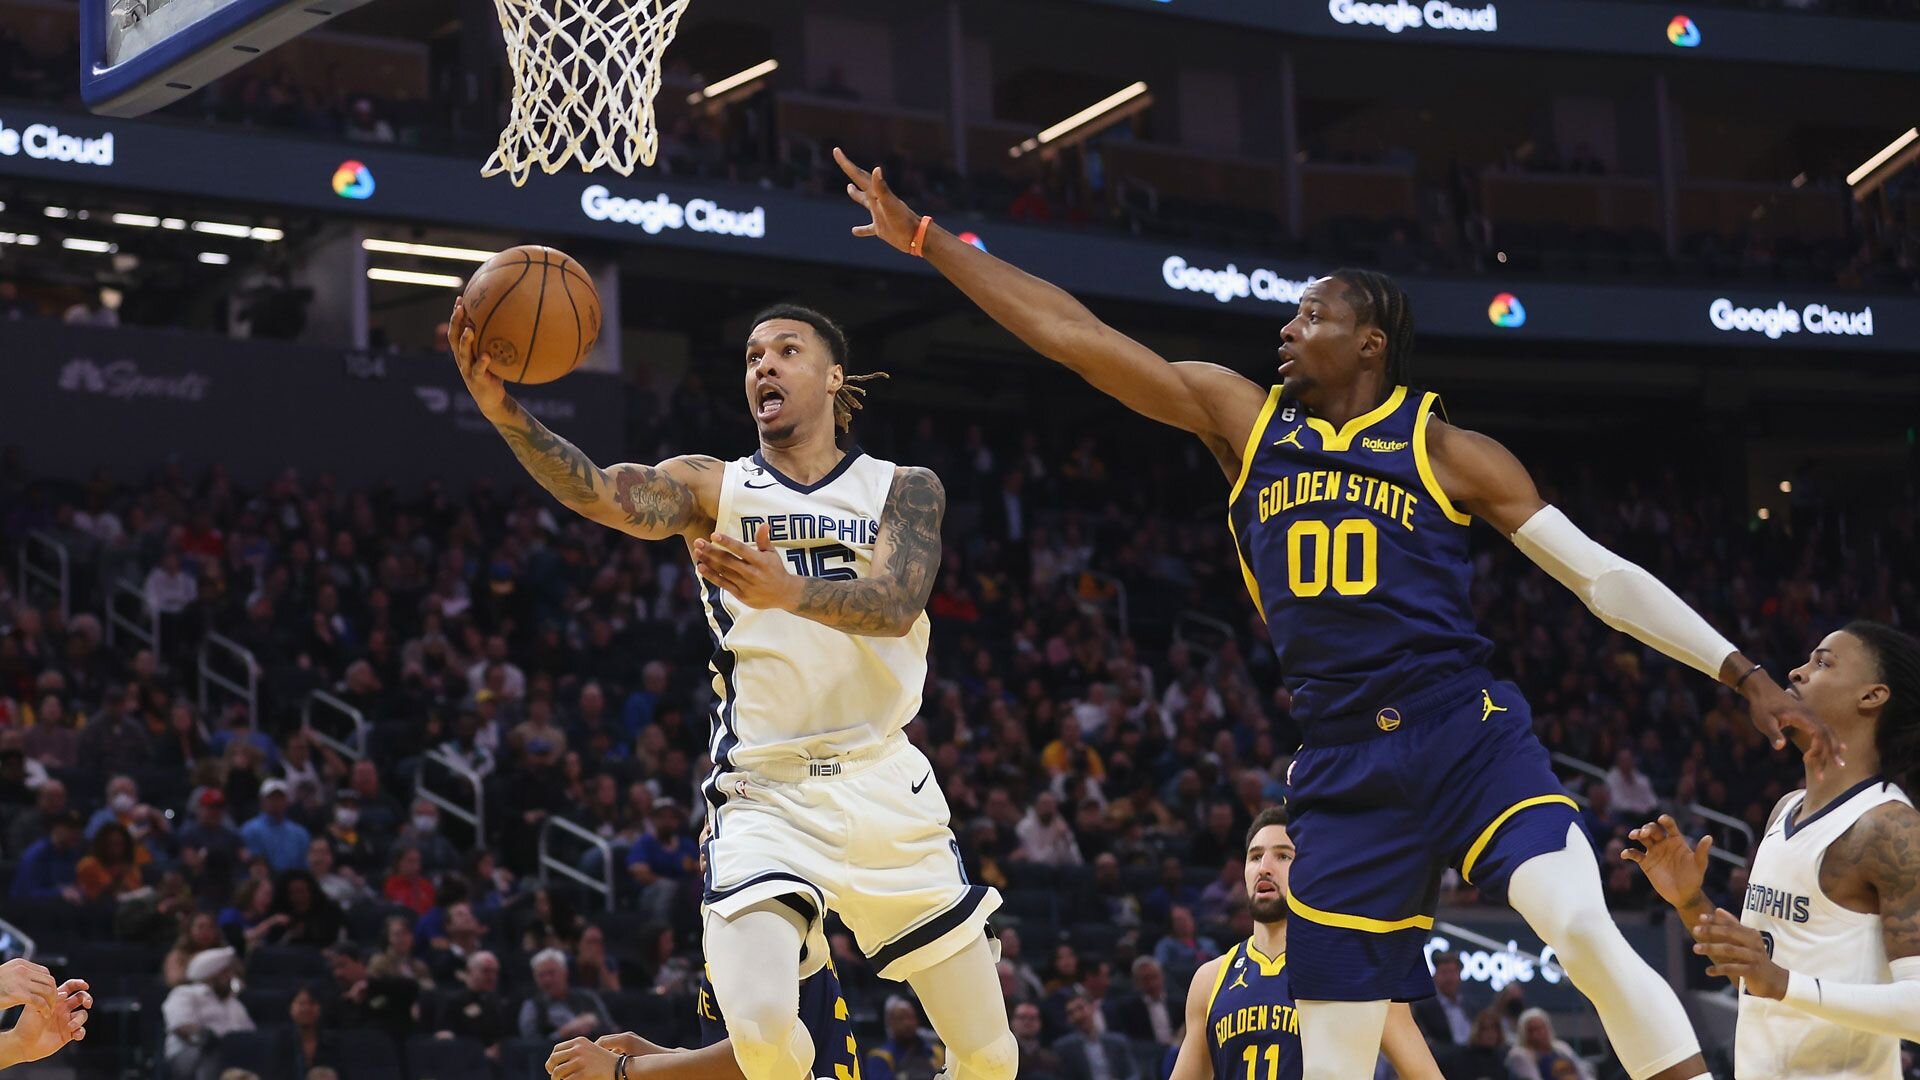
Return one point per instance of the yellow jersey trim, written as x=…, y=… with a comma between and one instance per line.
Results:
x=1343, y=438
x=1357, y=922
x=1220, y=977
x=1425, y=463
x=1246, y=468
x=1486, y=835
x=1268, y=965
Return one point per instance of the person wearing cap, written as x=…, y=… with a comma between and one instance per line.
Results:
x=663, y=858
x=271, y=834
x=49, y=869
x=200, y=1010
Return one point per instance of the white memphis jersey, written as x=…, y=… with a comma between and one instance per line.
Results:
x=789, y=688
x=1812, y=935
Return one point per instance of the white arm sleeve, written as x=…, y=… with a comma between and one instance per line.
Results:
x=1881, y=1008
x=1623, y=595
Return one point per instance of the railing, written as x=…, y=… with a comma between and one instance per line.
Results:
x=1733, y=827
x=551, y=864
x=1570, y=762
x=15, y=942
x=248, y=691
x=59, y=579
x=354, y=746
x=1217, y=631
x=474, y=814
x=147, y=633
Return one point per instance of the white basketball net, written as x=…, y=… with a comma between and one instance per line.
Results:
x=584, y=76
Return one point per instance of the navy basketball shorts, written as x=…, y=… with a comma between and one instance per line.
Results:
x=1382, y=805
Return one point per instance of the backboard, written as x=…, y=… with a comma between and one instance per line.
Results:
x=137, y=55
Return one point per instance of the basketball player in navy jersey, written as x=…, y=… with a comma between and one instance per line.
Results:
x=1349, y=508
x=1242, y=1021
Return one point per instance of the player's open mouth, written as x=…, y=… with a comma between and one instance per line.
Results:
x=1286, y=361
x=771, y=402
x=1265, y=889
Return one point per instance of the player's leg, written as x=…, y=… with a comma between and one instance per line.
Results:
x=1340, y=1040
x=1559, y=895
x=755, y=962
x=961, y=995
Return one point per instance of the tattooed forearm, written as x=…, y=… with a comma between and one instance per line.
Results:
x=557, y=464
x=908, y=556
x=651, y=500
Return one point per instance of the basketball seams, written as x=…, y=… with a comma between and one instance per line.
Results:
x=539, y=307
x=526, y=267
x=579, y=335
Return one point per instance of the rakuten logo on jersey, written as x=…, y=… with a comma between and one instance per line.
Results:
x=44, y=142
x=660, y=213
x=1780, y=319
x=1400, y=15
x=1232, y=284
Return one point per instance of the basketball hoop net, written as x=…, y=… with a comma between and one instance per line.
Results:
x=585, y=73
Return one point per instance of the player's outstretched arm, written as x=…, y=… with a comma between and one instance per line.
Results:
x=1205, y=399
x=1193, y=1062
x=599, y=1059
x=652, y=502
x=1482, y=477
x=1406, y=1048
x=886, y=603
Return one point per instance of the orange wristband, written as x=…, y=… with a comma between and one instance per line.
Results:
x=920, y=238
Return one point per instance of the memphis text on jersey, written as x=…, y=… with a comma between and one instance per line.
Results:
x=1250, y=1019
x=784, y=528
x=1763, y=900
x=1383, y=497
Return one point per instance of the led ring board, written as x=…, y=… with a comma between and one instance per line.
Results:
x=137, y=55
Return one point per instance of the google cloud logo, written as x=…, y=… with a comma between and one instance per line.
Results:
x=1506, y=311
x=1682, y=32
x=353, y=180
x=974, y=239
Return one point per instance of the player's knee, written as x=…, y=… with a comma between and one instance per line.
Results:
x=998, y=1060
x=762, y=1040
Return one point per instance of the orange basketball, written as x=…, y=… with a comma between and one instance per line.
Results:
x=535, y=313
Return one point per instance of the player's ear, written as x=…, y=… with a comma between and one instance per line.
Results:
x=1873, y=696
x=836, y=377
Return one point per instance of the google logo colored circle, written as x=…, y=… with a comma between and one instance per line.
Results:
x=1507, y=311
x=353, y=180
x=1682, y=32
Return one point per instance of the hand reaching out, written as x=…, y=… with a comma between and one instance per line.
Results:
x=893, y=221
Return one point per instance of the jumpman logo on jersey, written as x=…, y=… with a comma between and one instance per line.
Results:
x=1239, y=981
x=1291, y=438
x=1487, y=707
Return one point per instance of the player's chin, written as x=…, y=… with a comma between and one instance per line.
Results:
x=1268, y=909
x=777, y=431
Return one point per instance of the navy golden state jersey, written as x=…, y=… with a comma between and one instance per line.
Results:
x=1354, y=556
x=823, y=1008
x=1253, y=1032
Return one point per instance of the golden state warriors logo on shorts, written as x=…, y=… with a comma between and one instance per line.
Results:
x=1388, y=720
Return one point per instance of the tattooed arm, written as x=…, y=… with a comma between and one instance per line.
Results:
x=653, y=502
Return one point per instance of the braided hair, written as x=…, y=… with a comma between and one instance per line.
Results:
x=849, y=398
x=1897, y=735
x=1378, y=300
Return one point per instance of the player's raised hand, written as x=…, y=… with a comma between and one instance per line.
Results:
x=1739, y=952
x=40, y=1033
x=23, y=982
x=489, y=390
x=892, y=220
x=1675, y=868
x=1774, y=712
x=754, y=573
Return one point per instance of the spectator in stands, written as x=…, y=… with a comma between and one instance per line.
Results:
x=477, y=1011
x=199, y=1011
x=541, y=742
x=1597, y=816
x=1087, y=1054
x=303, y=1045
x=342, y=886
x=250, y=920
x=1632, y=792
x=110, y=867
x=1537, y=1053
x=399, y=952
x=1116, y=903
x=200, y=934
x=464, y=935
x=1147, y=1014
x=1444, y=1017
x=422, y=831
x=124, y=807
x=405, y=884
x=29, y=825
x=1012, y=951
x=1183, y=950
x=593, y=966
x=48, y=868
x=903, y=1054
x=556, y=1012
x=16, y=786
x=346, y=1002
x=210, y=849
x=348, y=833
x=662, y=859
x=1037, y=1059
x=171, y=592
x=52, y=740
x=364, y=124
x=313, y=919
x=464, y=747
x=1045, y=836
x=282, y=841
x=1484, y=1057
x=1070, y=753
x=116, y=740
x=378, y=811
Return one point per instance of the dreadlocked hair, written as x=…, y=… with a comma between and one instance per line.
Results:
x=1897, y=735
x=849, y=399
x=1378, y=300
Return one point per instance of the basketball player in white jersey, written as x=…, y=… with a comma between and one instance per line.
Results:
x=816, y=565
x=1827, y=944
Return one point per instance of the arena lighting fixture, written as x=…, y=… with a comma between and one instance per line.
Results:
x=174, y=223
x=97, y=247
x=734, y=82
x=22, y=239
x=138, y=221
x=1108, y=110
x=414, y=277
x=57, y=212
x=1876, y=170
x=426, y=251
x=266, y=235
x=221, y=228
x=215, y=258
